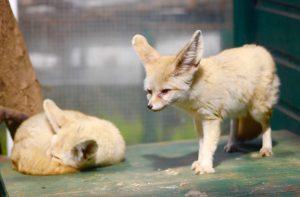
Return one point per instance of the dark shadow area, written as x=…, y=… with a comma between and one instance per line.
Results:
x=252, y=146
x=108, y=168
x=3, y=191
x=163, y=163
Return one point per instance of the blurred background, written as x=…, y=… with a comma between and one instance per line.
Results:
x=82, y=54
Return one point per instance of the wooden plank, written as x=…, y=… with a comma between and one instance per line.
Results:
x=291, y=2
x=278, y=28
x=289, y=88
x=284, y=118
x=163, y=169
x=286, y=3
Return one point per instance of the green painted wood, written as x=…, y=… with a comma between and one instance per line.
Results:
x=283, y=118
x=163, y=169
x=244, y=22
x=291, y=3
x=289, y=90
x=275, y=24
x=278, y=29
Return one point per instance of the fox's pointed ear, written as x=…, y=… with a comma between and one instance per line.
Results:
x=191, y=54
x=84, y=150
x=146, y=53
x=54, y=115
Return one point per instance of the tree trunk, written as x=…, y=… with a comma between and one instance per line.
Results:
x=19, y=87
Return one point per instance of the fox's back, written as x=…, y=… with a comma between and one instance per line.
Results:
x=37, y=130
x=31, y=141
x=250, y=61
x=230, y=80
x=253, y=71
x=31, y=129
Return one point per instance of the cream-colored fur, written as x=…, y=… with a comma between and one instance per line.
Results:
x=239, y=83
x=63, y=141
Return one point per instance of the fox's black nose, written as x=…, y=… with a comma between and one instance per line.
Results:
x=150, y=106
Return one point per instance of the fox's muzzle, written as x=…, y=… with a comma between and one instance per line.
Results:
x=150, y=107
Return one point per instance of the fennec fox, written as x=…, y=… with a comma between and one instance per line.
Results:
x=62, y=141
x=239, y=83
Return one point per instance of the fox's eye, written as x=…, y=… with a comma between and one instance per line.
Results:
x=165, y=91
x=149, y=91
x=55, y=157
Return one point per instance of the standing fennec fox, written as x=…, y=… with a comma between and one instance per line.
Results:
x=239, y=83
x=63, y=141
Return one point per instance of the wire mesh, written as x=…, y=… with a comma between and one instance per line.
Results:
x=81, y=51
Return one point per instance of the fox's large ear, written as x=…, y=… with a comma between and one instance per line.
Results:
x=146, y=53
x=190, y=56
x=84, y=150
x=54, y=115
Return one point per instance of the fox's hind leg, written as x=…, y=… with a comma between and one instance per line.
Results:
x=266, y=149
x=231, y=145
x=264, y=120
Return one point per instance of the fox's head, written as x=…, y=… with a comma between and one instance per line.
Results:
x=70, y=144
x=168, y=78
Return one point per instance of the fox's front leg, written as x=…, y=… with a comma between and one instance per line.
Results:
x=209, y=134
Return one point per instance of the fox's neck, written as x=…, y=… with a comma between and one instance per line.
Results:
x=189, y=102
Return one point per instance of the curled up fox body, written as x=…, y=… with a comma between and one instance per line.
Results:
x=64, y=141
x=239, y=83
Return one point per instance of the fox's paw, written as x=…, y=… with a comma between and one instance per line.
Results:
x=231, y=148
x=201, y=169
x=265, y=152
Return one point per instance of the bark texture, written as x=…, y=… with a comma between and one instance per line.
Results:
x=19, y=87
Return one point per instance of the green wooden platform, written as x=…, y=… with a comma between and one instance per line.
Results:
x=163, y=169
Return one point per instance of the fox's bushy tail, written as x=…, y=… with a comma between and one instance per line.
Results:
x=248, y=128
